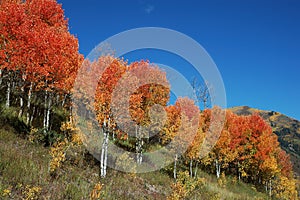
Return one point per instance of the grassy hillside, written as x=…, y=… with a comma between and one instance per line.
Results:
x=24, y=174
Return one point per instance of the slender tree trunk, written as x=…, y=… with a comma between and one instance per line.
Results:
x=48, y=112
x=0, y=77
x=21, y=102
x=32, y=115
x=64, y=100
x=21, y=95
x=139, y=144
x=45, y=111
x=175, y=166
x=70, y=115
x=13, y=83
x=103, y=159
x=38, y=112
x=105, y=155
x=57, y=99
x=7, y=104
x=191, y=168
x=136, y=144
x=238, y=171
x=46, y=101
x=218, y=168
x=196, y=169
x=28, y=103
x=102, y=154
x=270, y=188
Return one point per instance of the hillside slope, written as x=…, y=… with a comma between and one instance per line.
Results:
x=24, y=174
x=287, y=129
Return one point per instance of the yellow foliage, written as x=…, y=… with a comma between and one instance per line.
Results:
x=285, y=188
x=59, y=149
x=270, y=165
x=243, y=173
x=6, y=193
x=96, y=192
x=178, y=192
x=34, y=136
x=32, y=193
x=77, y=139
x=184, y=185
x=71, y=129
x=68, y=126
x=58, y=155
x=222, y=180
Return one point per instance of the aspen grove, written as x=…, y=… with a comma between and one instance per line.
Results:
x=39, y=62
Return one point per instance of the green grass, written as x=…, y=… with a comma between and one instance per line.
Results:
x=229, y=189
x=25, y=164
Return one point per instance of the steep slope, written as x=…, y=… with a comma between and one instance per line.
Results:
x=287, y=129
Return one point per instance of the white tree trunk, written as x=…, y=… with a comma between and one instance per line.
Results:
x=0, y=77
x=139, y=146
x=28, y=103
x=64, y=100
x=191, y=168
x=21, y=102
x=32, y=115
x=13, y=85
x=103, y=159
x=196, y=169
x=21, y=95
x=238, y=171
x=218, y=168
x=175, y=167
x=105, y=154
x=48, y=113
x=45, y=111
x=7, y=104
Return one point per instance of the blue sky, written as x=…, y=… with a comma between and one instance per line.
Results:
x=255, y=44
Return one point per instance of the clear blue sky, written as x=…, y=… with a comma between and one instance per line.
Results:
x=255, y=44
